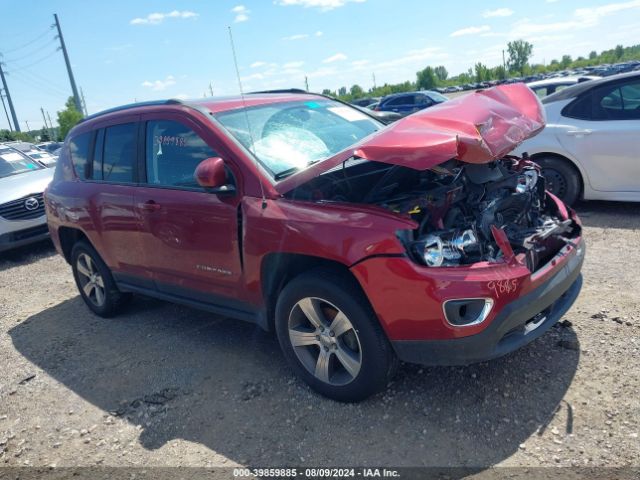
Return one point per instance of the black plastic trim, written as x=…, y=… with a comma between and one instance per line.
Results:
x=507, y=332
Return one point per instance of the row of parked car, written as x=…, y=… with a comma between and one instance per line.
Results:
x=25, y=171
x=603, y=70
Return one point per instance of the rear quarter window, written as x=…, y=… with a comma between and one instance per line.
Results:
x=119, y=153
x=79, y=149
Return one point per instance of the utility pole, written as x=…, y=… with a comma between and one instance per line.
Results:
x=84, y=103
x=53, y=130
x=45, y=124
x=211, y=89
x=5, y=110
x=63, y=47
x=504, y=64
x=6, y=91
x=27, y=124
x=306, y=82
x=373, y=75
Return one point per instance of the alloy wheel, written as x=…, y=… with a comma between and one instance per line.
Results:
x=325, y=341
x=91, y=282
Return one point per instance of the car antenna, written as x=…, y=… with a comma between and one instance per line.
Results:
x=246, y=115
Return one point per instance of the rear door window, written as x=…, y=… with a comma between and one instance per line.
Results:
x=119, y=154
x=173, y=153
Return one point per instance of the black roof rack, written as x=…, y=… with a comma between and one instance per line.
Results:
x=284, y=90
x=128, y=106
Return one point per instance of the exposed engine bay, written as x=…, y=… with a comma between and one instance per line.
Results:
x=467, y=213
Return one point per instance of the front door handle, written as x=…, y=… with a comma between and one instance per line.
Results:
x=578, y=133
x=149, y=206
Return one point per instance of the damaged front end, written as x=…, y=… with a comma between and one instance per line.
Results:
x=471, y=213
x=449, y=169
x=465, y=213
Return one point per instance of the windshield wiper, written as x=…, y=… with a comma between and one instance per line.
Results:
x=291, y=171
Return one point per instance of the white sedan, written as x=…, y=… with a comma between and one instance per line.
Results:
x=590, y=147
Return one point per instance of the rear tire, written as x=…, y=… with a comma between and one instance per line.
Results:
x=562, y=179
x=331, y=338
x=95, y=282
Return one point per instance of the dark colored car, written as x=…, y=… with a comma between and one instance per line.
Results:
x=410, y=102
x=357, y=243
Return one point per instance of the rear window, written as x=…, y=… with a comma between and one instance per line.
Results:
x=118, y=154
x=79, y=148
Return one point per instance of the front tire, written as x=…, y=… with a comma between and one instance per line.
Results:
x=561, y=179
x=95, y=282
x=331, y=338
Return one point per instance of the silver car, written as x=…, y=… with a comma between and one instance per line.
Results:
x=22, y=183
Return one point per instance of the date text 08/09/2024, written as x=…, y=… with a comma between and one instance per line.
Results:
x=316, y=472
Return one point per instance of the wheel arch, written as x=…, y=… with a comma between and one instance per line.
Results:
x=278, y=269
x=581, y=176
x=69, y=236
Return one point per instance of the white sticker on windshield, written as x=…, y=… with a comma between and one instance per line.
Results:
x=12, y=157
x=350, y=114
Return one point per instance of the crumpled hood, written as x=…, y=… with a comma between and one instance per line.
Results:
x=475, y=128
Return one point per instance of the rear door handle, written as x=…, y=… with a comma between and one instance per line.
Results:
x=577, y=133
x=149, y=206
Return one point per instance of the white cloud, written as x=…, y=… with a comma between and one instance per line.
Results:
x=470, y=31
x=291, y=65
x=159, y=85
x=335, y=58
x=157, y=18
x=323, y=5
x=257, y=64
x=582, y=18
x=299, y=36
x=359, y=63
x=318, y=33
x=242, y=13
x=498, y=12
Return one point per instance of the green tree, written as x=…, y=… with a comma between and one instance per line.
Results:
x=441, y=73
x=342, y=91
x=482, y=72
x=44, y=135
x=566, y=61
x=68, y=118
x=326, y=91
x=619, y=51
x=519, y=54
x=593, y=55
x=426, y=79
x=356, y=92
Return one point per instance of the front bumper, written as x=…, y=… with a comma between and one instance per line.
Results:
x=24, y=236
x=518, y=323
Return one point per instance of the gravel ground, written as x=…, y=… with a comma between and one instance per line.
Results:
x=164, y=385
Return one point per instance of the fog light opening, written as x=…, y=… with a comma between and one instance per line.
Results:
x=465, y=312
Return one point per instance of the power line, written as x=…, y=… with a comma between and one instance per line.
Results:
x=6, y=91
x=30, y=42
x=39, y=85
x=17, y=58
x=40, y=60
x=37, y=77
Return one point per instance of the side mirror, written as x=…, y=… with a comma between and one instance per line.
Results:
x=211, y=175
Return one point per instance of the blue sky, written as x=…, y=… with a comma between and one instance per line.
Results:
x=123, y=51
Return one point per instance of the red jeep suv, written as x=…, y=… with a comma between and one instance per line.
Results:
x=358, y=243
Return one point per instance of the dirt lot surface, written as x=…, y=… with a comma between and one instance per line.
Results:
x=167, y=385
